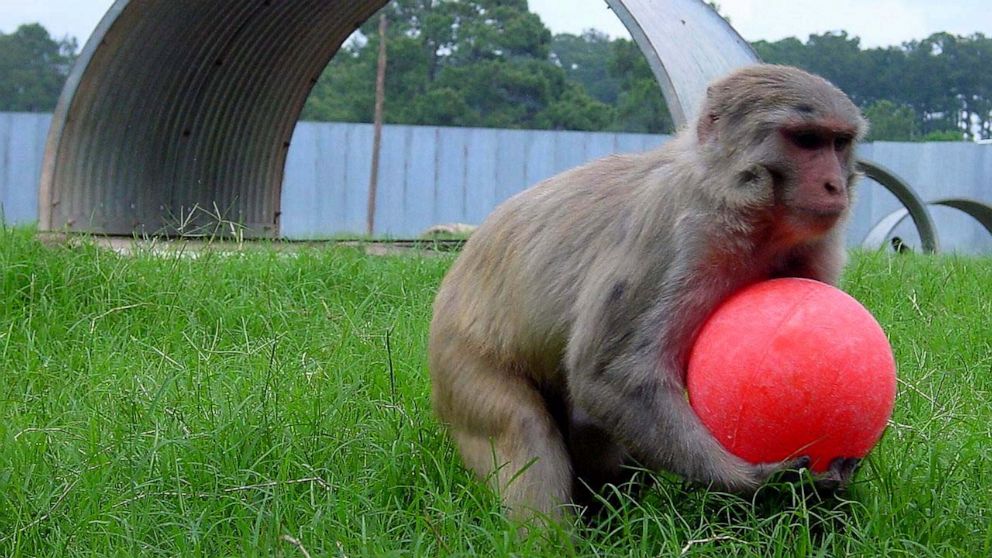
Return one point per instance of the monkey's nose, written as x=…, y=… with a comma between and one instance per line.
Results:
x=834, y=187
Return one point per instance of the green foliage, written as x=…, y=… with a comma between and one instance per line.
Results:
x=466, y=63
x=944, y=135
x=488, y=63
x=615, y=72
x=641, y=105
x=502, y=93
x=576, y=110
x=942, y=79
x=33, y=69
x=789, y=51
x=891, y=122
x=229, y=400
x=586, y=59
x=480, y=63
x=493, y=63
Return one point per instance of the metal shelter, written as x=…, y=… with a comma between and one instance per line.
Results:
x=178, y=115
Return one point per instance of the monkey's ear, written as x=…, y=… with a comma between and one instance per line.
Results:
x=706, y=128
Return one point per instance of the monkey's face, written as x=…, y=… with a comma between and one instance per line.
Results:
x=789, y=137
x=816, y=178
x=797, y=175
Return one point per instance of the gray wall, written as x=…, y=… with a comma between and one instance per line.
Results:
x=427, y=175
x=22, y=148
x=435, y=175
x=936, y=171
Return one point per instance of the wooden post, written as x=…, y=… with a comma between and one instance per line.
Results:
x=380, y=98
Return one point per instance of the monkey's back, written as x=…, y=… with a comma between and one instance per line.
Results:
x=499, y=294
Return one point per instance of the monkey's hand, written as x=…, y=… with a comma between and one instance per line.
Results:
x=661, y=431
x=626, y=373
x=838, y=476
x=834, y=480
x=787, y=471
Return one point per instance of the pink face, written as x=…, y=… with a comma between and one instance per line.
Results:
x=820, y=153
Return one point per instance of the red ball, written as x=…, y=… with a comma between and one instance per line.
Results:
x=789, y=368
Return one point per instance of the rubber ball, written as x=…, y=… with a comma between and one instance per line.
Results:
x=793, y=367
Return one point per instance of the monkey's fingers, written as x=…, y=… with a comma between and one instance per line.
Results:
x=799, y=463
x=789, y=471
x=838, y=476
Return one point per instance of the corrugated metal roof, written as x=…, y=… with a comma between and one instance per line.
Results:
x=181, y=105
x=687, y=45
x=175, y=105
x=178, y=114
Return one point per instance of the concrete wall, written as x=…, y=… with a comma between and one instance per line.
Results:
x=431, y=175
x=427, y=175
x=22, y=149
x=936, y=171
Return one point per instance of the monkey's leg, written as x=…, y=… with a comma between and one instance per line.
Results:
x=505, y=433
x=597, y=459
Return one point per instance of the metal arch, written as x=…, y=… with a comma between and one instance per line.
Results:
x=688, y=45
x=180, y=105
x=877, y=235
x=915, y=207
x=980, y=211
x=687, y=52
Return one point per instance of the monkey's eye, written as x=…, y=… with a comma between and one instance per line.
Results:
x=842, y=142
x=810, y=141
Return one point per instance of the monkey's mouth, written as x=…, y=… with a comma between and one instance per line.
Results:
x=817, y=219
x=832, y=211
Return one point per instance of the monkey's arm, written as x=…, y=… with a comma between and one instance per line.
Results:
x=628, y=374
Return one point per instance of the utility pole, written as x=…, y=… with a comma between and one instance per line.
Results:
x=380, y=98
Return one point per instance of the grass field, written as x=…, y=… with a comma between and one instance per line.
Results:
x=270, y=403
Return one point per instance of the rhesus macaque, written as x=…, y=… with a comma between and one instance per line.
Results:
x=561, y=334
x=898, y=246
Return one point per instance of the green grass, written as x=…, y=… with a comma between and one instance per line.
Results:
x=270, y=403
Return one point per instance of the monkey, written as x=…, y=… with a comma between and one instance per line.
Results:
x=560, y=335
x=898, y=246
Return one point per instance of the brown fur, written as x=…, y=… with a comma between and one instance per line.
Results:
x=561, y=333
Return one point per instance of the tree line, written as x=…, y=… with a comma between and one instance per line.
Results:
x=493, y=63
x=33, y=69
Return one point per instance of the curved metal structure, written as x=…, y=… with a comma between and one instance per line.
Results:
x=175, y=106
x=980, y=211
x=687, y=52
x=915, y=207
x=180, y=105
x=687, y=45
x=178, y=115
x=882, y=229
x=876, y=237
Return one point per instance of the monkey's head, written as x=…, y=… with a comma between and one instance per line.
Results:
x=785, y=138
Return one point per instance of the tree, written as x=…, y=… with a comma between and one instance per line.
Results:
x=927, y=83
x=461, y=63
x=892, y=122
x=575, y=110
x=944, y=135
x=586, y=61
x=33, y=69
x=940, y=79
x=641, y=105
x=789, y=51
x=838, y=57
